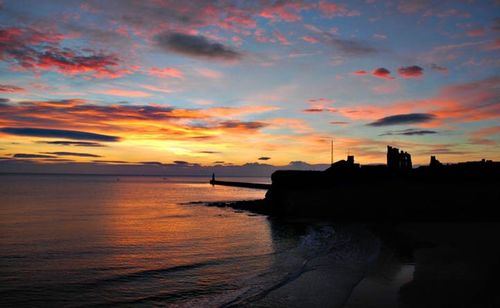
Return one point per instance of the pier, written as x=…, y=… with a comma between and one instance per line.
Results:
x=213, y=181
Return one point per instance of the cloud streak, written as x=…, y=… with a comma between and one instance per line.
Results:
x=402, y=119
x=409, y=132
x=195, y=46
x=72, y=154
x=74, y=143
x=57, y=133
x=6, y=88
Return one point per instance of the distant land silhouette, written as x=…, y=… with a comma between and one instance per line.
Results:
x=395, y=191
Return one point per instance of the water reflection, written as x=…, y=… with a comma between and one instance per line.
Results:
x=98, y=241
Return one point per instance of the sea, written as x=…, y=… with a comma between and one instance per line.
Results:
x=84, y=240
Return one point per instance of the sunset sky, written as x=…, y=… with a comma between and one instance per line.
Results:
x=235, y=82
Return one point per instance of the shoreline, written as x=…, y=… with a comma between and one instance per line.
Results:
x=421, y=264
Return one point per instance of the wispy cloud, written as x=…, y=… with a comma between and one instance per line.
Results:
x=402, y=119
x=409, y=132
x=72, y=154
x=57, y=133
x=6, y=88
x=74, y=143
x=125, y=93
x=195, y=46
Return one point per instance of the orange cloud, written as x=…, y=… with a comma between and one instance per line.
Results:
x=125, y=93
x=310, y=39
x=166, y=72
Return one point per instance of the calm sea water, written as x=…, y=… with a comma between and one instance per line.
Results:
x=100, y=240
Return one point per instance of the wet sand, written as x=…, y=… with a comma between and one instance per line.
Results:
x=438, y=264
x=450, y=265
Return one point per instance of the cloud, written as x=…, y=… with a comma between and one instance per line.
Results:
x=111, y=161
x=125, y=93
x=314, y=110
x=208, y=73
x=339, y=122
x=409, y=132
x=439, y=68
x=6, y=88
x=166, y=72
x=348, y=47
x=141, y=122
x=332, y=9
x=320, y=105
x=23, y=155
x=241, y=125
x=195, y=46
x=57, y=133
x=310, y=39
x=74, y=143
x=283, y=11
x=360, y=73
x=29, y=49
x=154, y=163
x=382, y=72
x=485, y=136
x=4, y=100
x=413, y=71
x=208, y=152
x=402, y=119
x=476, y=32
x=181, y=162
x=352, y=47
x=71, y=154
x=264, y=158
x=463, y=102
x=281, y=38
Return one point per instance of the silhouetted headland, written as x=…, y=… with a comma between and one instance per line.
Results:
x=395, y=191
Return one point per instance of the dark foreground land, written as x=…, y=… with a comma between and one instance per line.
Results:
x=439, y=223
x=419, y=264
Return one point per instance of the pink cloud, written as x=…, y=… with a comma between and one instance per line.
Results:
x=208, y=73
x=483, y=135
x=6, y=88
x=284, y=11
x=413, y=71
x=476, y=32
x=310, y=39
x=467, y=102
x=156, y=88
x=332, y=9
x=492, y=45
x=281, y=38
x=31, y=50
x=360, y=73
x=125, y=93
x=320, y=105
x=166, y=72
x=382, y=72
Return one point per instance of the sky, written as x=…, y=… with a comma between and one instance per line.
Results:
x=229, y=83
